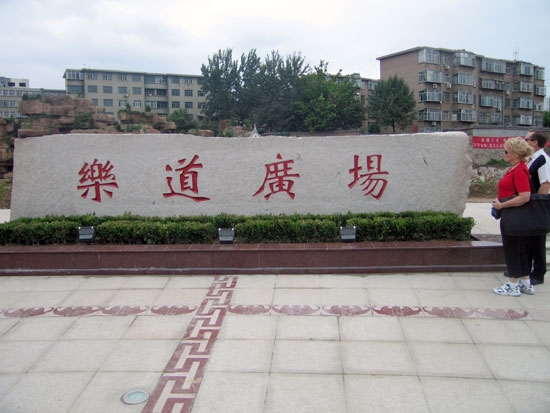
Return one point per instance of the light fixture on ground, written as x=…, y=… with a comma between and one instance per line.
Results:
x=135, y=396
x=347, y=234
x=226, y=235
x=86, y=234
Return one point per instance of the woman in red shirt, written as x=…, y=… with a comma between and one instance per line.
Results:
x=515, y=182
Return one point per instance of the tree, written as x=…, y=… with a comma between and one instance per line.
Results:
x=183, y=120
x=328, y=102
x=221, y=83
x=546, y=120
x=392, y=104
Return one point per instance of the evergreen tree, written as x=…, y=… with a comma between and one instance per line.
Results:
x=392, y=104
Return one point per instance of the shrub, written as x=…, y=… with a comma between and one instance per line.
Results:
x=133, y=229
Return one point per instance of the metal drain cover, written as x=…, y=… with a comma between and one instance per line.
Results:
x=135, y=396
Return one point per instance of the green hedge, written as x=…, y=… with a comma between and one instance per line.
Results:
x=132, y=229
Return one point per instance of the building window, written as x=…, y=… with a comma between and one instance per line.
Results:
x=539, y=73
x=494, y=66
x=429, y=56
x=430, y=95
x=188, y=80
x=175, y=92
x=107, y=102
x=540, y=90
x=72, y=89
x=200, y=93
x=107, y=76
x=92, y=89
x=467, y=115
x=72, y=75
x=200, y=105
x=122, y=103
x=188, y=92
x=137, y=103
x=463, y=78
x=523, y=120
x=188, y=105
x=155, y=79
x=464, y=59
x=95, y=102
x=538, y=122
x=175, y=79
x=490, y=101
x=151, y=103
x=522, y=103
x=490, y=118
x=539, y=106
x=92, y=76
x=136, y=78
x=433, y=76
x=175, y=105
x=523, y=87
x=149, y=92
x=464, y=97
x=429, y=114
x=522, y=68
x=162, y=105
x=122, y=77
x=136, y=90
x=122, y=90
x=107, y=89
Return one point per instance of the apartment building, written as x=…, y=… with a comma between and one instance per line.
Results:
x=112, y=90
x=459, y=89
x=12, y=91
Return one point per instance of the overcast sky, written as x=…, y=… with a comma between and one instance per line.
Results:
x=42, y=38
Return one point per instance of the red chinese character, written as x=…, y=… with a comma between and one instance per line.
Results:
x=99, y=177
x=277, y=175
x=371, y=184
x=188, y=180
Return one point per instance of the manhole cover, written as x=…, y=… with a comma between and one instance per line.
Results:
x=135, y=396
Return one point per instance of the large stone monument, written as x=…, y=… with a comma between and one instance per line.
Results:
x=168, y=175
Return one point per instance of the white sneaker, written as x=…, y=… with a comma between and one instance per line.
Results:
x=507, y=289
x=527, y=289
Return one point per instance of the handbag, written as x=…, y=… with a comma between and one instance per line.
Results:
x=532, y=218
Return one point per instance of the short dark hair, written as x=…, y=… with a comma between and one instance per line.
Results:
x=540, y=138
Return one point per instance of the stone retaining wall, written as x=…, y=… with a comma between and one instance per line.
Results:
x=172, y=174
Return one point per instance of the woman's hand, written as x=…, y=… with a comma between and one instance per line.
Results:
x=519, y=200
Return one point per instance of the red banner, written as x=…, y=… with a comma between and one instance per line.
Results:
x=482, y=142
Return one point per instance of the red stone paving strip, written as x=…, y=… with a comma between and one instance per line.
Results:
x=182, y=377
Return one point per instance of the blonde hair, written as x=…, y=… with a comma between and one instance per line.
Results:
x=518, y=146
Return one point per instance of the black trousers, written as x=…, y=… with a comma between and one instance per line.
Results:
x=536, y=256
x=515, y=256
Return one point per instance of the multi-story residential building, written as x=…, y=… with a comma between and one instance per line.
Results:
x=12, y=92
x=112, y=90
x=458, y=89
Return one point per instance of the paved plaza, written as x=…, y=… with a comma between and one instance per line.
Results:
x=423, y=342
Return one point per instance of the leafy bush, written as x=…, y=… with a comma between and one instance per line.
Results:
x=133, y=229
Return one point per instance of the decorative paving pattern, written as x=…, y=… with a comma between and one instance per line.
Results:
x=182, y=377
x=326, y=310
x=77, y=311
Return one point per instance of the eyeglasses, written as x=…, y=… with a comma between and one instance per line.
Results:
x=530, y=139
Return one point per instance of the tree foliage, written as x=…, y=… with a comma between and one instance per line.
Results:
x=280, y=93
x=183, y=120
x=392, y=104
x=546, y=119
x=328, y=102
